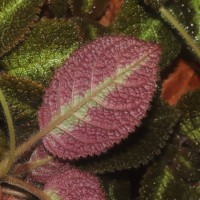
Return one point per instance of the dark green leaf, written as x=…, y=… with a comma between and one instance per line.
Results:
x=59, y=8
x=190, y=121
x=92, y=9
x=116, y=189
x=195, y=6
x=134, y=19
x=186, y=163
x=46, y=48
x=141, y=146
x=176, y=174
x=16, y=17
x=155, y=3
x=49, y=44
x=159, y=183
x=23, y=97
x=89, y=30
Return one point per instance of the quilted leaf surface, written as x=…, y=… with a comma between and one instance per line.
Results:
x=140, y=147
x=74, y=185
x=16, y=17
x=98, y=96
x=45, y=172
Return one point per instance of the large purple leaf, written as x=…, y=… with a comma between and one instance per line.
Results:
x=99, y=95
x=74, y=184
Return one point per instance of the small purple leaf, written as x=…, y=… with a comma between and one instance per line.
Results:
x=99, y=95
x=74, y=184
x=43, y=173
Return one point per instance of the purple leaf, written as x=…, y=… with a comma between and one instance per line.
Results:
x=99, y=95
x=74, y=185
x=45, y=172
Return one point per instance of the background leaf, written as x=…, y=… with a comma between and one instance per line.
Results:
x=155, y=3
x=190, y=121
x=46, y=48
x=116, y=189
x=59, y=8
x=23, y=97
x=99, y=95
x=176, y=174
x=160, y=183
x=142, y=146
x=166, y=178
x=195, y=5
x=136, y=20
x=16, y=17
x=93, y=9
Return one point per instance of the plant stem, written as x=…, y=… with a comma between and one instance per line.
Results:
x=28, y=187
x=26, y=167
x=176, y=24
x=5, y=166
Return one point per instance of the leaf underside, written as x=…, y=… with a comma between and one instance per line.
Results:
x=142, y=146
x=98, y=96
x=48, y=45
x=16, y=18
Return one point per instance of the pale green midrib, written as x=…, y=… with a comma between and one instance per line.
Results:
x=71, y=111
x=167, y=177
x=183, y=160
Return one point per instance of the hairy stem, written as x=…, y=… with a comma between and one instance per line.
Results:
x=176, y=24
x=26, y=167
x=6, y=165
x=28, y=187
